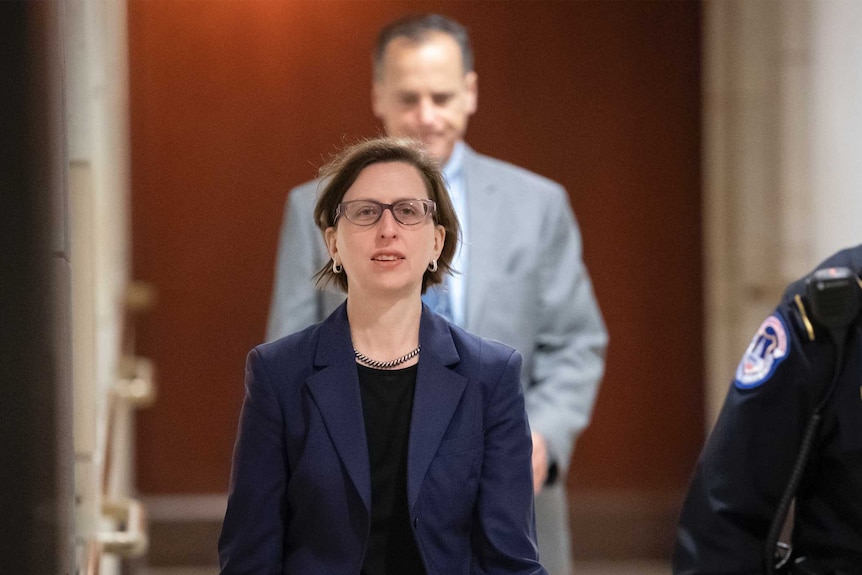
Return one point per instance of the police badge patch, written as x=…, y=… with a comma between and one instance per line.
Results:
x=765, y=352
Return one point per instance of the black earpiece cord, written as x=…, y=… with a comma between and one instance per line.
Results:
x=839, y=337
x=835, y=303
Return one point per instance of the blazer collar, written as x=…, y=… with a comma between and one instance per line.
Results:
x=438, y=393
x=335, y=388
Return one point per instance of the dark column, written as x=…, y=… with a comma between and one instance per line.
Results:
x=36, y=449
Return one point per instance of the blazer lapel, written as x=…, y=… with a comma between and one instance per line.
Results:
x=482, y=209
x=438, y=392
x=336, y=391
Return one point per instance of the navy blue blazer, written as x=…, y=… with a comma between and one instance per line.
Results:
x=300, y=493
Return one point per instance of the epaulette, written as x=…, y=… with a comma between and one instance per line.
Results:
x=801, y=317
x=795, y=304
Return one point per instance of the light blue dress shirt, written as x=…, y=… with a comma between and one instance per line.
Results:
x=455, y=284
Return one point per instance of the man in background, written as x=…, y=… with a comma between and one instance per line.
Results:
x=522, y=280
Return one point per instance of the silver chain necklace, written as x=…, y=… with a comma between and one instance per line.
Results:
x=385, y=364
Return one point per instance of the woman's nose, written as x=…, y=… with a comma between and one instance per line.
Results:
x=387, y=224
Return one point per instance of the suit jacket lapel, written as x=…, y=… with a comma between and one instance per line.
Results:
x=438, y=392
x=482, y=209
x=336, y=391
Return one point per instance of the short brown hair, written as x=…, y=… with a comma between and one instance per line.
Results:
x=418, y=29
x=339, y=174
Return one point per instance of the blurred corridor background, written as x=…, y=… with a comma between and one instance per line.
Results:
x=707, y=147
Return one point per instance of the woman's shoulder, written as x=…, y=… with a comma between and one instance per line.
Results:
x=488, y=356
x=290, y=347
x=306, y=339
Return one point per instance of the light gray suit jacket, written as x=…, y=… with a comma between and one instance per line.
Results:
x=526, y=286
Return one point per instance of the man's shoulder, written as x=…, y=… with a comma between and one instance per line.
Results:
x=795, y=307
x=849, y=257
x=306, y=192
x=487, y=167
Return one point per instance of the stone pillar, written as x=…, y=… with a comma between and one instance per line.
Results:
x=836, y=111
x=757, y=171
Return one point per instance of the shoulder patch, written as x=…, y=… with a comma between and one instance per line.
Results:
x=765, y=352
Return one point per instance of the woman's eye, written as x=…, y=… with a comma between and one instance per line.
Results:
x=407, y=210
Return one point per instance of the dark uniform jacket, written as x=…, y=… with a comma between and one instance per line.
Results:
x=748, y=458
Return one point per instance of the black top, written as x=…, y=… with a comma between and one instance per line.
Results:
x=387, y=402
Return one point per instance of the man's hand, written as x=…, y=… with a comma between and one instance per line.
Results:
x=540, y=462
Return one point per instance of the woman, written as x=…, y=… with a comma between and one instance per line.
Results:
x=382, y=441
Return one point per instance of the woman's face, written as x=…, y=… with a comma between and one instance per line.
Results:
x=386, y=257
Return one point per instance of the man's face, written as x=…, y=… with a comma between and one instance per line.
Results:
x=424, y=93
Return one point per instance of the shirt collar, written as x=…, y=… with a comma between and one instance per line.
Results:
x=454, y=167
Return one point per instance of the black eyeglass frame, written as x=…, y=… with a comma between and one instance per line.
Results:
x=430, y=209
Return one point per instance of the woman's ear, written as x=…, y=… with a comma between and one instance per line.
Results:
x=439, y=240
x=329, y=238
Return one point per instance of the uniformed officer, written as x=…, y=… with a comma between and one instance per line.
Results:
x=785, y=374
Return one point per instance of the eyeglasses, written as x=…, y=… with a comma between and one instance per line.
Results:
x=368, y=212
